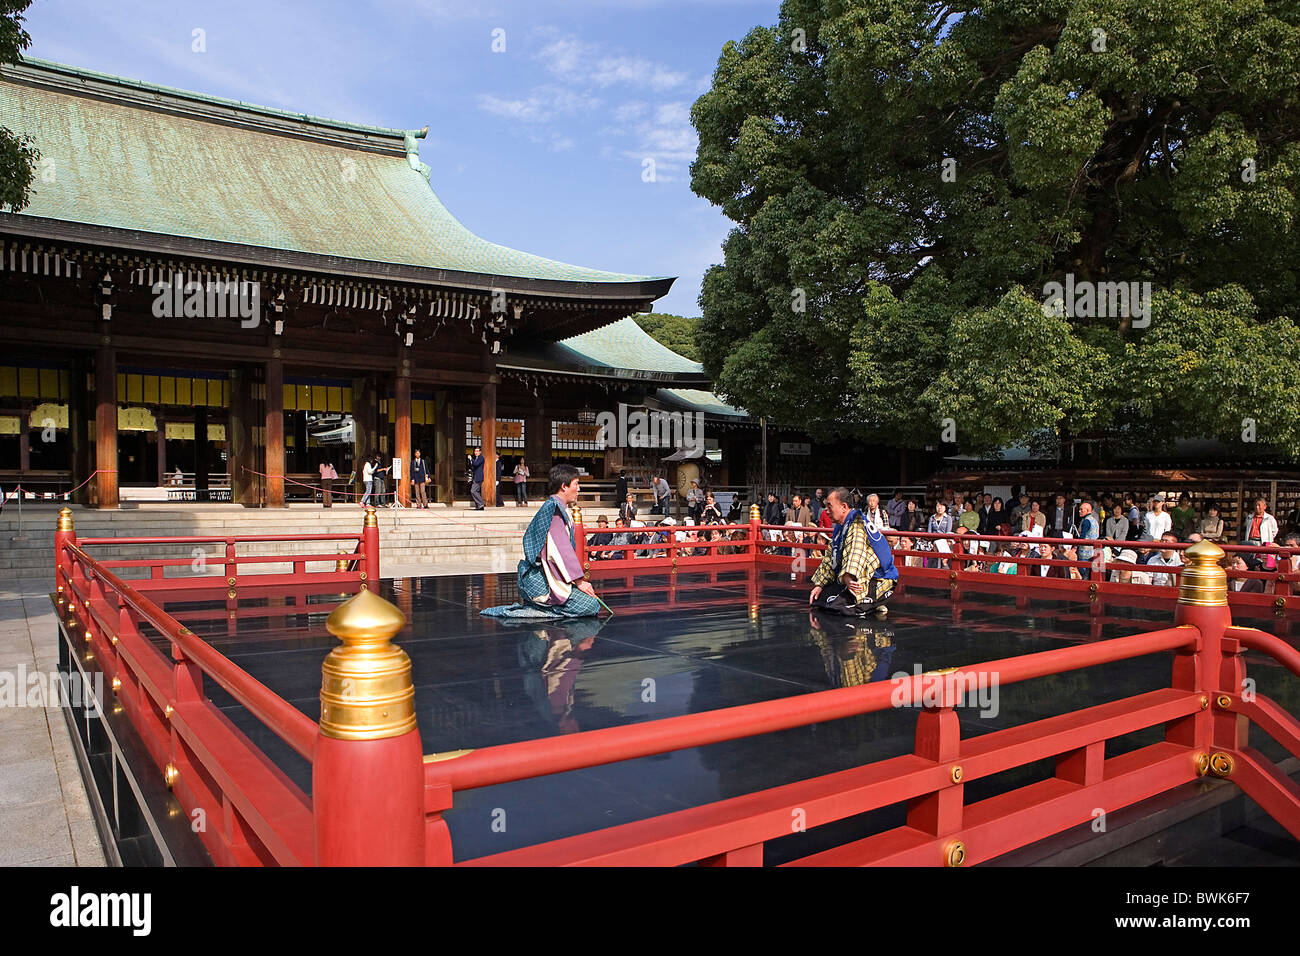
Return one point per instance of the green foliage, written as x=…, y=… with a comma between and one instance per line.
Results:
x=677, y=332
x=906, y=183
x=18, y=154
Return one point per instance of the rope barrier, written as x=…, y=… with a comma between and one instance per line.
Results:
x=354, y=494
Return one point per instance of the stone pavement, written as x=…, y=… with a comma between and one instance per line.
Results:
x=44, y=813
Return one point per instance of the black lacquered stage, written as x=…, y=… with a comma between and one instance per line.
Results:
x=684, y=645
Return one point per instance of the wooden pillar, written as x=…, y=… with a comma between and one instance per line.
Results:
x=402, y=429
x=25, y=435
x=160, y=436
x=274, y=431
x=364, y=422
x=106, y=426
x=200, y=452
x=537, y=452
x=488, y=435
x=444, y=447
x=245, y=484
x=80, y=418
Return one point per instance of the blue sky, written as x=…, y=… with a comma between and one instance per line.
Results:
x=540, y=147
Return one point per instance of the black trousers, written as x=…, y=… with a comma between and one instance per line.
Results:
x=838, y=598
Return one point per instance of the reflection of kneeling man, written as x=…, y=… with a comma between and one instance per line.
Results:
x=857, y=575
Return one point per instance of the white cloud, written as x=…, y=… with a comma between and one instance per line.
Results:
x=541, y=105
x=577, y=62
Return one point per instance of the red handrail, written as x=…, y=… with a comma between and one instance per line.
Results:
x=287, y=722
x=506, y=763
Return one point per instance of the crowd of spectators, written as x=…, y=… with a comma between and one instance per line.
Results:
x=1130, y=532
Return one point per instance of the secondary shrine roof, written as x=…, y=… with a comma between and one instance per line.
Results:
x=152, y=168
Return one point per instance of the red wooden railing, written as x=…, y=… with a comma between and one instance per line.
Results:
x=251, y=811
x=374, y=803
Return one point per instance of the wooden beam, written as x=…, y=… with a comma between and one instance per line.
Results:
x=274, y=431
x=488, y=435
x=402, y=431
x=106, y=427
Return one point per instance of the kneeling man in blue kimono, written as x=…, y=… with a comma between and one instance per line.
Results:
x=857, y=575
x=551, y=580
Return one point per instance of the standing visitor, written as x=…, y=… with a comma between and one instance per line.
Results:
x=662, y=494
x=695, y=501
x=327, y=478
x=501, y=473
x=521, y=483
x=875, y=515
x=620, y=487
x=1211, y=526
x=895, y=509
x=1183, y=517
x=1156, y=522
x=420, y=478
x=476, y=464
x=1116, y=525
x=368, y=479
x=1088, y=530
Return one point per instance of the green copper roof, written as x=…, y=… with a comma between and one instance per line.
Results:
x=623, y=350
x=130, y=156
x=624, y=344
x=697, y=400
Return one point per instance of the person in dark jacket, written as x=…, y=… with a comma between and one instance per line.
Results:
x=620, y=487
x=627, y=510
x=476, y=478
x=773, y=512
x=736, y=513
x=501, y=473
x=419, y=478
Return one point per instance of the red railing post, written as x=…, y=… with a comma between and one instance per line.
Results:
x=370, y=545
x=368, y=798
x=938, y=738
x=755, y=534
x=64, y=535
x=579, y=537
x=1203, y=604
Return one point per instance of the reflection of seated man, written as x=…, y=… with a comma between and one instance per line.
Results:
x=853, y=653
x=551, y=659
x=858, y=574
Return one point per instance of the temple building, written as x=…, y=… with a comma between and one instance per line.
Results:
x=224, y=296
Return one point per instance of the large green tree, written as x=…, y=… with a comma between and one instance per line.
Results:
x=18, y=154
x=677, y=332
x=907, y=178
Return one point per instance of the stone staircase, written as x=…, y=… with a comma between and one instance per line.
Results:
x=409, y=538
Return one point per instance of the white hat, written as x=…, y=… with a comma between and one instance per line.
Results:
x=1128, y=556
x=669, y=520
x=638, y=524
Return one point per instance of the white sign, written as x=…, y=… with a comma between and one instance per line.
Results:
x=397, y=469
x=796, y=448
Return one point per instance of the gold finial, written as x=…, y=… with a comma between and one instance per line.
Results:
x=65, y=520
x=366, y=691
x=1203, y=582
x=371, y=521
x=342, y=563
x=754, y=513
x=577, y=514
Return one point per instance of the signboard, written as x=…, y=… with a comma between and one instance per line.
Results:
x=505, y=429
x=796, y=448
x=576, y=431
x=397, y=469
